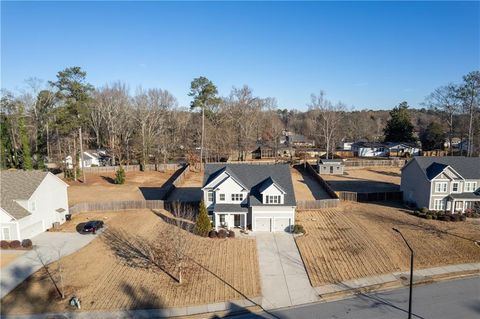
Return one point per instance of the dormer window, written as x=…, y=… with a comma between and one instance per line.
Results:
x=272, y=199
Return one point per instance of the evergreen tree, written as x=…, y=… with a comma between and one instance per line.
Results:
x=24, y=140
x=120, y=176
x=399, y=127
x=203, y=225
x=432, y=137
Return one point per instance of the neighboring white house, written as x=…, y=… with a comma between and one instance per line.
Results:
x=402, y=149
x=449, y=183
x=369, y=149
x=31, y=202
x=258, y=197
x=89, y=159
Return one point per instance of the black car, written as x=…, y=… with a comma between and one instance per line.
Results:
x=92, y=226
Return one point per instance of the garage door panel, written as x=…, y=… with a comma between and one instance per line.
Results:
x=282, y=224
x=31, y=230
x=262, y=224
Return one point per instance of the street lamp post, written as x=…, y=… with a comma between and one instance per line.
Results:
x=411, y=274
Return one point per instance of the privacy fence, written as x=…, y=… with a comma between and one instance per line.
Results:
x=352, y=164
x=116, y=205
x=369, y=197
x=133, y=168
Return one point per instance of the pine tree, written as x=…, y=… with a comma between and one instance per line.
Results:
x=203, y=225
x=120, y=176
x=24, y=139
x=399, y=127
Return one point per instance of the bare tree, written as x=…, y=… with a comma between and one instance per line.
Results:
x=327, y=118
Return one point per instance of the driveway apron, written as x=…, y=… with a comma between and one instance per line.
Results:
x=283, y=276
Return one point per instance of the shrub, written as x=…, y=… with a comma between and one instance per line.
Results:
x=222, y=233
x=434, y=216
x=203, y=226
x=429, y=216
x=463, y=218
x=456, y=218
x=4, y=244
x=120, y=176
x=213, y=234
x=424, y=210
x=444, y=218
x=14, y=244
x=298, y=229
x=231, y=234
x=27, y=243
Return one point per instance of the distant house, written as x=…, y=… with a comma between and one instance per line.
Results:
x=31, y=202
x=298, y=140
x=450, y=183
x=398, y=149
x=369, y=149
x=268, y=152
x=259, y=197
x=89, y=159
x=330, y=166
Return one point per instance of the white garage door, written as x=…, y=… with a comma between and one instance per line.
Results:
x=262, y=224
x=32, y=230
x=281, y=224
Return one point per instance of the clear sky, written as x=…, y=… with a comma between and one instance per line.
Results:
x=366, y=54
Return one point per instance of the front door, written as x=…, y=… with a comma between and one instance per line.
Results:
x=236, y=221
x=331, y=169
x=458, y=206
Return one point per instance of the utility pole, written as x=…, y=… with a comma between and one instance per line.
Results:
x=201, y=140
x=411, y=274
x=81, y=154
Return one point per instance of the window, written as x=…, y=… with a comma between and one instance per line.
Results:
x=470, y=186
x=222, y=197
x=441, y=187
x=438, y=204
x=210, y=196
x=237, y=197
x=455, y=187
x=272, y=199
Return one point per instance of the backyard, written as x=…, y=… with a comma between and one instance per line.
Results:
x=101, y=187
x=305, y=186
x=381, y=179
x=104, y=279
x=356, y=240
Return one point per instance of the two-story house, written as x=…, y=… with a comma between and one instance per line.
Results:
x=31, y=202
x=258, y=197
x=442, y=183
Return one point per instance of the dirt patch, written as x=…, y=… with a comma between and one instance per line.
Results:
x=306, y=187
x=356, y=240
x=366, y=180
x=100, y=187
x=6, y=257
x=103, y=281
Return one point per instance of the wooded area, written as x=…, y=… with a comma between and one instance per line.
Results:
x=50, y=120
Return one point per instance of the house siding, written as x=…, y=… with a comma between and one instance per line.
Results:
x=415, y=185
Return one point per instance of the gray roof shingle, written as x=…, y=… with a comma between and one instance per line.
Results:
x=18, y=185
x=254, y=177
x=468, y=167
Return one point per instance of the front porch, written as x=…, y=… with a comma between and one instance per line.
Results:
x=230, y=220
x=461, y=202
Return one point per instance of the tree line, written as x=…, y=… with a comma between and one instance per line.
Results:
x=48, y=121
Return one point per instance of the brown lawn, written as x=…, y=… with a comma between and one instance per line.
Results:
x=6, y=257
x=356, y=240
x=377, y=179
x=103, y=280
x=100, y=187
x=306, y=187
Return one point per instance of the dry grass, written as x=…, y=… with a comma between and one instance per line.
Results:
x=6, y=257
x=100, y=187
x=306, y=187
x=378, y=179
x=104, y=281
x=193, y=179
x=357, y=240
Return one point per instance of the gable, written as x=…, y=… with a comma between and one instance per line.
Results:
x=272, y=190
x=230, y=184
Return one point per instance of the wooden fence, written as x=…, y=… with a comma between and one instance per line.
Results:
x=318, y=204
x=369, y=197
x=351, y=164
x=321, y=181
x=133, y=168
x=116, y=205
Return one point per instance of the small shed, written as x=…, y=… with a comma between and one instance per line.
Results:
x=330, y=166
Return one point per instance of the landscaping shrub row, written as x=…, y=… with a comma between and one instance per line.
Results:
x=16, y=244
x=444, y=216
x=222, y=233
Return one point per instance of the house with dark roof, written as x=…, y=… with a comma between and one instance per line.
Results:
x=31, y=202
x=255, y=197
x=442, y=183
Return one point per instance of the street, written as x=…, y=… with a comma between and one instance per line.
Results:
x=459, y=299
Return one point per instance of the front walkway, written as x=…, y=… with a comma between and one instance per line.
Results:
x=283, y=276
x=48, y=247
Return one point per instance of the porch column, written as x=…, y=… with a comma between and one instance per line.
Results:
x=215, y=220
x=463, y=207
x=452, y=209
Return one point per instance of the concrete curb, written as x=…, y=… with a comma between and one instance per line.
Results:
x=395, y=280
x=233, y=306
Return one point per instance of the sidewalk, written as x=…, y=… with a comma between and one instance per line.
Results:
x=396, y=279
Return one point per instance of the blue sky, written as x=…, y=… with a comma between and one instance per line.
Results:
x=366, y=54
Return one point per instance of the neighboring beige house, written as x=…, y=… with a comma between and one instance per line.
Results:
x=31, y=202
x=330, y=166
x=442, y=183
x=258, y=197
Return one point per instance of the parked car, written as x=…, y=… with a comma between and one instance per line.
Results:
x=92, y=226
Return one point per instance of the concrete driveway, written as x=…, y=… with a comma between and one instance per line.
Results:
x=48, y=247
x=283, y=276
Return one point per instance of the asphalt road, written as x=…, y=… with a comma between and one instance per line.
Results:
x=458, y=299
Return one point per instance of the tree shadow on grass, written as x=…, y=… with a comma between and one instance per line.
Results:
x=108, y=179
